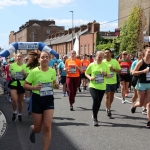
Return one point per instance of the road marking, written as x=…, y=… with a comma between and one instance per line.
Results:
x=125, y=100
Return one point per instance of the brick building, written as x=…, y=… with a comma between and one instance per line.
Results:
x=62, y=41
x=125, y=7
x=34, y=31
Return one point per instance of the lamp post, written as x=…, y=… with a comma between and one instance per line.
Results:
x=72, y=29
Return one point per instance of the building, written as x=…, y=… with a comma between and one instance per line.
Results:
x=125, y=7
x=34, y=31
x=86, y=34
x=62, y=41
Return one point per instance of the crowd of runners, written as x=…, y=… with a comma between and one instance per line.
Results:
x=32, y=79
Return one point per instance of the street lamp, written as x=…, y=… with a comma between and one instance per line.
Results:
x=72, y=28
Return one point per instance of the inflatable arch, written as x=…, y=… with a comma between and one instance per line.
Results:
x=27, y=46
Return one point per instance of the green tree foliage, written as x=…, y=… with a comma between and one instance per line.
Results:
x=129, y=31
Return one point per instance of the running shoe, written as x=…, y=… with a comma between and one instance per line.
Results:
x=32, y=136
x=95, y=122
x=123, y=101
x=71, y=108
x=133, y=109
x=10, y=100
x=64, y=94
x=148, y=124
x=19, y=118
x=14, y=117
x=144, y=112
x=109, y=113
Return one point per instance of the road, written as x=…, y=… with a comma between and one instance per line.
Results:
x=74, y=130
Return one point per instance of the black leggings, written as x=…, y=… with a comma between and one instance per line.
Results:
x=97, y=96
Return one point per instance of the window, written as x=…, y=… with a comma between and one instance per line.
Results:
x=84, y=49
x=47, y=31
x=88, y=48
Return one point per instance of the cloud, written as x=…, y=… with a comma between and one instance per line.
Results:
x=52, y=3
x=68, y=22
x=105, y=26
x=4, y=3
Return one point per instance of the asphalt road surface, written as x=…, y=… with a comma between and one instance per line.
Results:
x=74, y=130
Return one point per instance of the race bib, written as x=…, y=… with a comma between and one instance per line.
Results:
x=19, y=76
x=148, y=76
x=46, y=89
x=72, y=70
x=84, y=67
x=111, y=74
x=99, y=78
x=124, y=70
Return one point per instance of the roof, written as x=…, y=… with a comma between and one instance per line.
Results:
x=63, y=38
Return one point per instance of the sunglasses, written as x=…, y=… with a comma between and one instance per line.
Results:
x=124, y=54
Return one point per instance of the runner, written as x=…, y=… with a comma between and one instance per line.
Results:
x=8, y=95
x=31, y=64
x=97, y=73
x=142, y=69
x=124, y=76
x=41, y=81
x=139, y=56
x=73, y=68
x=62, y=75
x=85, y=64
x=112, y=81
x=17, y=74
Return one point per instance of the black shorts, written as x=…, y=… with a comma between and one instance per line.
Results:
x=63, y=79
x=20, y=89
x=39, y=104
x=126, y=77
x=110, y=88
x=83, y=76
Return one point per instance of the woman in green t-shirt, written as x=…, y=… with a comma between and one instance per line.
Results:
x=97, y=73
x=41, y=80
x=18, y=74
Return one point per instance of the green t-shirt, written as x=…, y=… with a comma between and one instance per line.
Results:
x=95, y=71
x=36, y=76
x=16, y=73
x=114, y=63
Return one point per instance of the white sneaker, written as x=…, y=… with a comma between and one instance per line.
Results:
x=123, y=101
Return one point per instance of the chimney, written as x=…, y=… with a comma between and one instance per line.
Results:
x=76, y=29
x=61, y=33
x=65, y=32
x=95, y=27
x=89, y=26
x=52, y=35
x=56, y=34
x=69, y=30
x=83, y=27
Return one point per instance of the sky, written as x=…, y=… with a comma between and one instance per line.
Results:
x=14, y=13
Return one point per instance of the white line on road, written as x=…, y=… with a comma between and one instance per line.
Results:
x=125, y=100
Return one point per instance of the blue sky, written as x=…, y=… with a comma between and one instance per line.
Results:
x=14, y=13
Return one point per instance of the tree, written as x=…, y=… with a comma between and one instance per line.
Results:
x=131, y=35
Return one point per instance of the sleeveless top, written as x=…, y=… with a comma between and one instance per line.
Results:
x=145, y=77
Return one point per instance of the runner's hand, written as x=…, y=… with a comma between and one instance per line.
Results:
x=92, y=78
x=56, y=86
x=37, y=87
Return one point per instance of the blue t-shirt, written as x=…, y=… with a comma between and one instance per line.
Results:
x=134, y=64
x=61, y=68
x=52, y=62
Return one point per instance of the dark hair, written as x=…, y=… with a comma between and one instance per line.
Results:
x=145, y=46
x=34, y=63
x=107, y=49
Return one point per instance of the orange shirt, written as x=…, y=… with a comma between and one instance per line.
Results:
x=85, y=64
x=72, y=70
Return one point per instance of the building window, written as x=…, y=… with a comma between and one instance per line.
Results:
x=47, y=31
